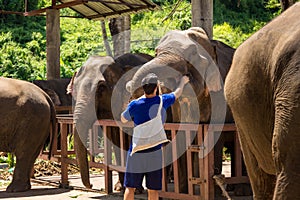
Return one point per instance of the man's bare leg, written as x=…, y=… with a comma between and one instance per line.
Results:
x=129, y=194
x=152, y=194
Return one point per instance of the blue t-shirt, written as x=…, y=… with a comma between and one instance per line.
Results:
x=144, y=109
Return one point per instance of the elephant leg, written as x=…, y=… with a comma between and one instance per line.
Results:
x=21, y=177
x=286, y=151
x=262, y=183
x=25, y=158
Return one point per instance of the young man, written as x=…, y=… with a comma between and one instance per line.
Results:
x=143, y=112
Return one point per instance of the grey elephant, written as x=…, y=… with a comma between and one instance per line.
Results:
x=263, y=92
x=92, y=88
x=206, y=62
x=27, y=120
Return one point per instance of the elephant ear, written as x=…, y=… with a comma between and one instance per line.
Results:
x=102, y=100
x=203, y=48
x=198, y=35
x=70, y=85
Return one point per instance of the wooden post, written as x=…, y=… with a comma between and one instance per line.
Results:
x=107, y=161
x=64, y=155
x=53, y=43
x=209, y=163
x=202, y=15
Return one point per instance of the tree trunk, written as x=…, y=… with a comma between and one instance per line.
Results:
x=202, y=15
x=105, y=39
x=285, y=4
x=116, y=26
x=127, y=27
x=120, y=32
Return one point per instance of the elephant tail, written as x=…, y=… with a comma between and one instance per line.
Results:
x=52, y=127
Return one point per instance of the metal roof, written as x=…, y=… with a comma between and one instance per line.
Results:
x=100, y=9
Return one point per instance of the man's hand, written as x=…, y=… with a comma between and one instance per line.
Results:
x=123, y=120
x=183, y=81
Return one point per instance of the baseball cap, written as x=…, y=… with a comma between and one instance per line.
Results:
x=150, y=78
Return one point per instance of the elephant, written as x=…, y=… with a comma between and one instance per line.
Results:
x=91, y=88
x=27, y=119
x=191, y=52
x=56, y=89
x=262, y=90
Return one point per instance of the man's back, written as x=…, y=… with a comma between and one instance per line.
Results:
x=144, y=109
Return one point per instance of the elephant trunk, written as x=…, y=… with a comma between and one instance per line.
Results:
x=134, y=84
x=154, y=66
x=84, y=117
x=81, y=154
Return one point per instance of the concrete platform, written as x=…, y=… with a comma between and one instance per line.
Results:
x=47, y=188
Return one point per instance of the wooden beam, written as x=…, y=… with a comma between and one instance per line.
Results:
x=60, y=6
x=6, y=12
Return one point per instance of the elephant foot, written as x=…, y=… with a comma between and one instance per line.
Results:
x=118, y=186
x=88, y=186
x=18, y=186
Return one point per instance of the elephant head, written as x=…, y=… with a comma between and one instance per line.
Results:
x=187, y=53
x=83, y=87
x=179, y=53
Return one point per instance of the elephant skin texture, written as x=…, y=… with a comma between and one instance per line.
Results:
x=27, y=119
x=207, y=63
x=56, y=89
x=262, y=90
x=91, y=88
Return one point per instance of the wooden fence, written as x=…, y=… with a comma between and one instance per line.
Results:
x=199, y=139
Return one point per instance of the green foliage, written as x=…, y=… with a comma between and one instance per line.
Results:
x=23, y=39
x=234, y=23
x=80, y=38
x=19, y=62
x=11, y=160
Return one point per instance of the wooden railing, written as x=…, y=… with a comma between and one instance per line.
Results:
x=199, y=139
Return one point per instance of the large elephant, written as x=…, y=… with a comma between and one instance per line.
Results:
x=27, y=118
x=191, y=53
x=92, y=89
x=263, y=91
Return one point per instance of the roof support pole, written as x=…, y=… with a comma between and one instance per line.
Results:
x=53, y=43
